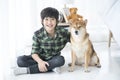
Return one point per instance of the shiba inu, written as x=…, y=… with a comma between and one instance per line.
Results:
x=82, y=52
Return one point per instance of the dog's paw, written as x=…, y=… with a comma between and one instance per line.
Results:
x=69, y=64
x=70, y=70
x=87, y=71
x=98, y=65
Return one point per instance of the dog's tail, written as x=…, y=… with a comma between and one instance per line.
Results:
x=98, y=62
x=95, y=54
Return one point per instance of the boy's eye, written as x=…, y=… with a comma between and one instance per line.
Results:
x=53, y=18
x=46, y=18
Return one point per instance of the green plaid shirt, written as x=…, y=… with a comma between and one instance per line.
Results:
x=47, y=47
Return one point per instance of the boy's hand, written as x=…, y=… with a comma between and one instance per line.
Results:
x=42, y=66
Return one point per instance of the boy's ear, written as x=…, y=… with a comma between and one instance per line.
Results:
x=41, y=21
x=57, y=22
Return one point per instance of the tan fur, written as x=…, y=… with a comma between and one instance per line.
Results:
x=82, y=52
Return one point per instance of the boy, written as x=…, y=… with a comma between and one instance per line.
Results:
x=47, y=44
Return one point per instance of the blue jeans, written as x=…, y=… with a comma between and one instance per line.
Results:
x=32, y=65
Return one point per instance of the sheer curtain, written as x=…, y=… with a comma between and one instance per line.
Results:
x=4, y=45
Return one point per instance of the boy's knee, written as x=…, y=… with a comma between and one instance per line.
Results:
x=60, y=60
x=20, y=61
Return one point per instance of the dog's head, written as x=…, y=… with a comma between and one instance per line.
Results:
x=76, y=25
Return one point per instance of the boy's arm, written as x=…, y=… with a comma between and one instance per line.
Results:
x=34, y=53
x=36, y=58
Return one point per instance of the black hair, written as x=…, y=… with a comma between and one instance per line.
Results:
x=49, y=12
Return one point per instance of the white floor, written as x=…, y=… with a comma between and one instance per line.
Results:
x=108, y=71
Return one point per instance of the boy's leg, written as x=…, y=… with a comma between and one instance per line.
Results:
x=56, y=64
x=56, y=61
x=25, y=61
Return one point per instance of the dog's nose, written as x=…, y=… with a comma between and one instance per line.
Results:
x=76, y=32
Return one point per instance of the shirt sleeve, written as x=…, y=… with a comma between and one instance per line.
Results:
x=35, y=45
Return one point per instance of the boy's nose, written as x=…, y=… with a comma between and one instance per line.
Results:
x=49, y=21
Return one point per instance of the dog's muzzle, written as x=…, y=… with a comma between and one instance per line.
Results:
x=76, y=32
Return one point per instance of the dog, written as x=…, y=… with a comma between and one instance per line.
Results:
x=82, y=52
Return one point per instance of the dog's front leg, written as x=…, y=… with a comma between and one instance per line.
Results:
x=73, y=61
x=87, y=60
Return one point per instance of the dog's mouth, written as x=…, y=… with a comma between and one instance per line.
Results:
x=76, y=32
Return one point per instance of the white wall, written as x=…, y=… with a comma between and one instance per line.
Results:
x=112, y=20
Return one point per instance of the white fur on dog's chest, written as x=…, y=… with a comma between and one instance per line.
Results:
x=78, y=45
x=79, y=50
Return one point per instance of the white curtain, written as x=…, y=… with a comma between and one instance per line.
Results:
x=4, y=45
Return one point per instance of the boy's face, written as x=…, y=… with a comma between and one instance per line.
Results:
x=49, y=23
